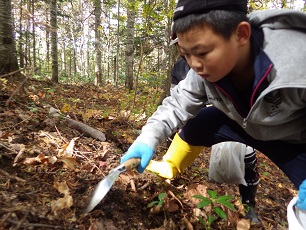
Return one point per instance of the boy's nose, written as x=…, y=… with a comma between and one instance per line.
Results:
x=195, y=64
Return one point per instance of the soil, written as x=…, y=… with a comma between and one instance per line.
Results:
x=48, y=171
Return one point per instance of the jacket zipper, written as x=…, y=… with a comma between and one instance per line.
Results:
x=245, y=119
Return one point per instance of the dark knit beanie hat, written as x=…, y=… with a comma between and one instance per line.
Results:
x=186, y=7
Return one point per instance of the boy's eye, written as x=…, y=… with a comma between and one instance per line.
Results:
x=203, y=54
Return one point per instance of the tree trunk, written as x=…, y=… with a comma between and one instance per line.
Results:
x=98, y=68
x=8, y=53
x=21, y=53
x=34, y=39
x=47, y=43
x=130, y=45
x=53, y=22
x=116, y=76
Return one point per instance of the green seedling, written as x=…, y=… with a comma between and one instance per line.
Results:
x=159, y=203
x=216, y=202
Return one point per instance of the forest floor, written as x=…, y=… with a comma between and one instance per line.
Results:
x=48, y=171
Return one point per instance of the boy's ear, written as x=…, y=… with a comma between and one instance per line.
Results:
x=243, y=33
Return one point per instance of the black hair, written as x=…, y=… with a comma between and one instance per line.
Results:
x=220, y=21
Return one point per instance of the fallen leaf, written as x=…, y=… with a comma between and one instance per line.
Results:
x=62, y=187
x=186, y=223
x=243, y=224
x=66, y=201
x=171, y=206
x=62, y=203
x=70, y=162
x=195, y=189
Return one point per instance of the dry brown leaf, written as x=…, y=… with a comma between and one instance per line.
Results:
x=186, y=223
x=7, y=113
x=62, y=187
x=156, y=209
x=66, y=201
x=232, y=217
x=33, y=160
x=20, y=156
x=169, y=224
x=40, y=159
x=105, y=225
x=70, y=162
x=243, y=224
x=4, y=134
x=171, y=206
x=61, y=203
x=195, y=189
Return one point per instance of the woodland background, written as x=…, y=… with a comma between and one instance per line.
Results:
x=104, y=64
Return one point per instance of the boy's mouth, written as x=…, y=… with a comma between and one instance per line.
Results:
x=204, y=75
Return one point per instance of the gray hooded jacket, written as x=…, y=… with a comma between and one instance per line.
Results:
x=278, y=111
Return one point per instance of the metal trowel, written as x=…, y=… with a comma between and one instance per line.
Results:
x=104, y=185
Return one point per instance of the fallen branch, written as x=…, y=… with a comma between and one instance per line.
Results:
x=85, y=129
x=33, y=225
x=11, y=73
x=11, y=176
x=79, y=126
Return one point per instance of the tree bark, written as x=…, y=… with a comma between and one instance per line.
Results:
x=130, y=46
x=8, y=53
x=53, y=22
x=34, y=36
x=98, y=68
x=21, y=53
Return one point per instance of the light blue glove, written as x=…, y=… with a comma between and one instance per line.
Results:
x=139, y=150
x=301, y=202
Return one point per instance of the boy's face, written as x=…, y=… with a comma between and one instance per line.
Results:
x=208, y=53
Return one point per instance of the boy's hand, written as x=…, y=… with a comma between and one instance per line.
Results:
x=139, y=150
x=301, y=202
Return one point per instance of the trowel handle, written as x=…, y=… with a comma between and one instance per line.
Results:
x=131, y=163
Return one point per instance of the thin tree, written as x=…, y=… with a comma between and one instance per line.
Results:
x=21, y=54
x=98, y=68
x=116, y=75
x=34, y=36
x=53, y=23
x=8, y=53
x=129, y=56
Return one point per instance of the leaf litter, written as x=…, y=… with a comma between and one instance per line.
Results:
x=48, y=171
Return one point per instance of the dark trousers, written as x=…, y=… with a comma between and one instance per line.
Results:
x=211, y=126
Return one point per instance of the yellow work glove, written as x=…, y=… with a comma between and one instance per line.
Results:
x=178, y=157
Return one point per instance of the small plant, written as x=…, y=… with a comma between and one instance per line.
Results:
x=216, y=202
x=161, y=200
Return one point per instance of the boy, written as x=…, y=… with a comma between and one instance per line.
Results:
x=251, y=69
x=167, y=168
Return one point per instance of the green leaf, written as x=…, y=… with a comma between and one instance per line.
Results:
x=204, y=203
x=161, y=196
x=199, y=197
x=160, y=203
x=210, y=219
x=152, y=203
x=202, y=221
x=220, y=212
x=33, y=110
x=222, y=198
x=212, y=194
x=227, y=204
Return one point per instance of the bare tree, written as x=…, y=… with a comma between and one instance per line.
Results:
x=130, y=45
x=8, y=53
x=53, y=22
x=98, y=68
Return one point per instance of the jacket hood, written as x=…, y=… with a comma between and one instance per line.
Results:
x=278, y=19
